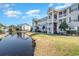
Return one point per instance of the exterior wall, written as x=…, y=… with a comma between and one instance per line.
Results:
x=40, y=23
x=24, y=27
x=74, y=18
x=51, y=22
x=71, y=19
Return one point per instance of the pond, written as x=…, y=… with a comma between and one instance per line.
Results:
x=17, y=44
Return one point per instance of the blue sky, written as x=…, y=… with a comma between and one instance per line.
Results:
x=18, y=13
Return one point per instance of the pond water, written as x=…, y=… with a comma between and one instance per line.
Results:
x=17, y=44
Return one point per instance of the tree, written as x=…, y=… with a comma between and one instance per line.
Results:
x=12, y=28
x=1, y=25
x=63, y=26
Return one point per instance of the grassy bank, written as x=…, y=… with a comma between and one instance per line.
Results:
x=55, y=44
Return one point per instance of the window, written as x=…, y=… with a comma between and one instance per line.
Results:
x=78, y=17
x=78, y=28
x=60, y=13
x=50, y=24
x=49, y=17
x=75, y=20
x=64, y=12
x=73, y=8
x=55, y=16
x=69, y=10
x=49, y=30
x=78, y=6
x=60, y=29
x=60, y=20
x=69, y=19
x=64, y=19
x=69, y=28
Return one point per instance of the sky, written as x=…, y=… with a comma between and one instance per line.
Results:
x=19, y=13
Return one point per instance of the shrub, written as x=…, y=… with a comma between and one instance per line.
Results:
x=71, y=32
x=1, y=31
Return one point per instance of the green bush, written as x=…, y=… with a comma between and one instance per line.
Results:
x=0, y=31
x=71, y=32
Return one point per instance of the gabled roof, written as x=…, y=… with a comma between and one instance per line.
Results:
x=24, y=24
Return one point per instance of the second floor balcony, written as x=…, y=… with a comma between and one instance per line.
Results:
x=62, y=15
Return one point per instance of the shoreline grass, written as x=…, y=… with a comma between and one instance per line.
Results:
x=55, y=45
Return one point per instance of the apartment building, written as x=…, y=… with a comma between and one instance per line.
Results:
x=56, y=17
x=39, y=24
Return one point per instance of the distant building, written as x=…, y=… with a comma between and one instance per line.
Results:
x=24, y=27
x=4, y=29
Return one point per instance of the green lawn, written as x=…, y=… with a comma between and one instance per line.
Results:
x=48, y=45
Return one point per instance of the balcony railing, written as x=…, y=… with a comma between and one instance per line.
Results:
x=55, y=20
x=62, y=15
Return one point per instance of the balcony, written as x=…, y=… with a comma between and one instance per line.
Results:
x=55, y=20
x=64, y=15
x=60, y=16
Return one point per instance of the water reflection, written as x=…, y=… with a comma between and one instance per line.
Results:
x=22, y=35
x=16, y=44
x=12, y=33
x=0, y=39
x=33, y=45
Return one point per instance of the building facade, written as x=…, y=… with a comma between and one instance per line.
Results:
x=55, y=17
x=39, y=24
x=24, y=27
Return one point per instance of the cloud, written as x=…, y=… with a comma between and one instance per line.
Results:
x=4, y=5
x=50, y=5
x=7, y=5
x=12, y=13
x=34, y=15
x=33, y=12
x=63, y=6
x=24, y=17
